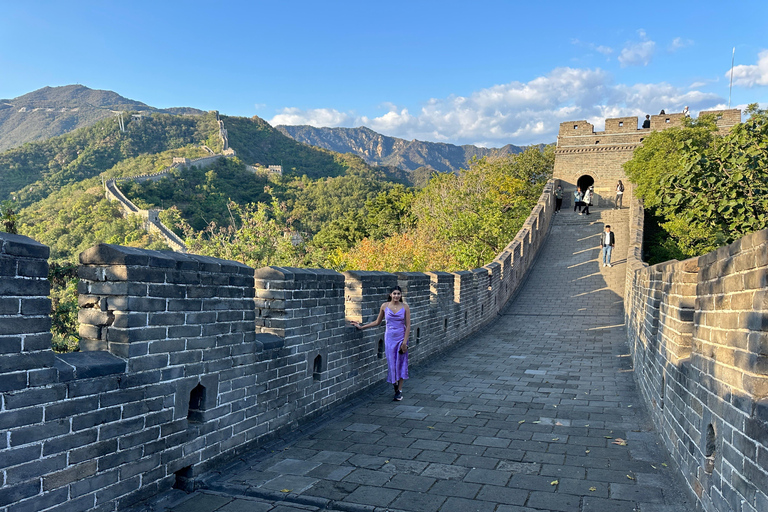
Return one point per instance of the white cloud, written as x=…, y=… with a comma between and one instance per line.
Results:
x=751, y=75
x=678, y=43
x=314, y=117
x=518, y=112
x=637, y=54
x=605, y=50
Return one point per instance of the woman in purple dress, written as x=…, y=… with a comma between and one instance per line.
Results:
x=398, y=316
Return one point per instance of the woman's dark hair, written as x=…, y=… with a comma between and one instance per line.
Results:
x=389, y=297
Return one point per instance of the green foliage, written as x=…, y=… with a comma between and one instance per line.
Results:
x=35, y=170
x=476, y=213
x=201, y=195
x=9, y=217
x=262, y=237
x=313, y=203
x=64, y=307
x=709, y=189
x=257, y=142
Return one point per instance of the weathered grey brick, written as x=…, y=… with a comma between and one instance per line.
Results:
x=34, y=397
x=93, y=451
x=34, y=433
x=92, y=419
x=34, y=469
x=24, y=325
x=15, y=493
x=93, y=483
x=12, y=381
x=69, y=475
x=68, y=442
x=33, y=342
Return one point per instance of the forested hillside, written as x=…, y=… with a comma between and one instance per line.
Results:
x=35, y=170
x=53, y=111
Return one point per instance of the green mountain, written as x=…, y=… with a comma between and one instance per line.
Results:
x=57, y=182
x=53, y=111
x=378, y=149
x=35, y=170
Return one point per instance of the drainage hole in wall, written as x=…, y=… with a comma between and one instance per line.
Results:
x=196, y=404
x=380, y=351
x=709, y=463
x=317, y=368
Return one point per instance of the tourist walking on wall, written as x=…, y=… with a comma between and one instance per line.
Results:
x=558, y=198
x=398, y=316
x=607, y=241
x=619, y=195
x=587, y=200
x=647, y=122
x=577, y=199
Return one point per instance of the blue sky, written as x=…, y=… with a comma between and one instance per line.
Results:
x=487, y=73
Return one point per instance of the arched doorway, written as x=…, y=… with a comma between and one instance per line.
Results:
x=585, y=181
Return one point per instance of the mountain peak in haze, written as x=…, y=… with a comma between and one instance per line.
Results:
x=378, y=149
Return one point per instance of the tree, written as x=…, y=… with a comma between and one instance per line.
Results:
x=9, y=217
x=710, y=189
x=476, y=213
x=263, y=237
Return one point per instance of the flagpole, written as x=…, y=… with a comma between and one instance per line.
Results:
x=730, y=88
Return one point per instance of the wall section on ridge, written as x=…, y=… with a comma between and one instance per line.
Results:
x=188, y=361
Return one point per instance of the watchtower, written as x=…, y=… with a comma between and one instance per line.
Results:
x=584, y=157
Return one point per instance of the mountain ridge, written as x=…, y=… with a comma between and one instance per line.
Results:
x=379, y=149
x=51, y=111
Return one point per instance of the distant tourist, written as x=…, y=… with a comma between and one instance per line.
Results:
x=685, y=112
x=647, y=122
x=662, y=113
x=398, y=316
x=587, y=200
x=619, y=195
x=607, y=241
x=558, y=198
x=577, y=199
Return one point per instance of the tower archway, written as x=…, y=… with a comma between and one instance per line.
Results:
x=585, y=181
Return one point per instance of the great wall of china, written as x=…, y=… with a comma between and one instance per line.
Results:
x=188, y=360
x=150, y=218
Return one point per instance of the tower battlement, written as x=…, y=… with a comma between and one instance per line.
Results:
x=585, y=156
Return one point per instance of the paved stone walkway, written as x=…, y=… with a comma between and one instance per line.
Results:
x=537, y=412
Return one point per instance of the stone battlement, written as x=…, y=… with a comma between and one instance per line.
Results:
x=188, y=360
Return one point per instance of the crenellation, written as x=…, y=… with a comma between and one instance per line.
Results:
x=188, y=361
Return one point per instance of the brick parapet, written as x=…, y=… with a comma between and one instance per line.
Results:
x=698, y=336
x=188, y=361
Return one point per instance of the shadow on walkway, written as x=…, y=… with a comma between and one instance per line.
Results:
x=537, y=412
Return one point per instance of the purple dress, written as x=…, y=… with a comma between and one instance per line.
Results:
x=397, y=363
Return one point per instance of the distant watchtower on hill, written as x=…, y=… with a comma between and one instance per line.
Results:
x=585, y=157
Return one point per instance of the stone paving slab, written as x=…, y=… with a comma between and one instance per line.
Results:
x=537, y=412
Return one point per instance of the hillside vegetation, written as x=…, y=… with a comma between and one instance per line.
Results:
x=702, y=189
x=54, y=111
x=35, y=170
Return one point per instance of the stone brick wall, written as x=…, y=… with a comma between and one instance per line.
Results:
x=188, y=361
x=698, y=331
x=581, y=150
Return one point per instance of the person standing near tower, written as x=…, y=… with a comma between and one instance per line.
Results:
x=558, y=198
x=587, y=200
x=607, y=241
